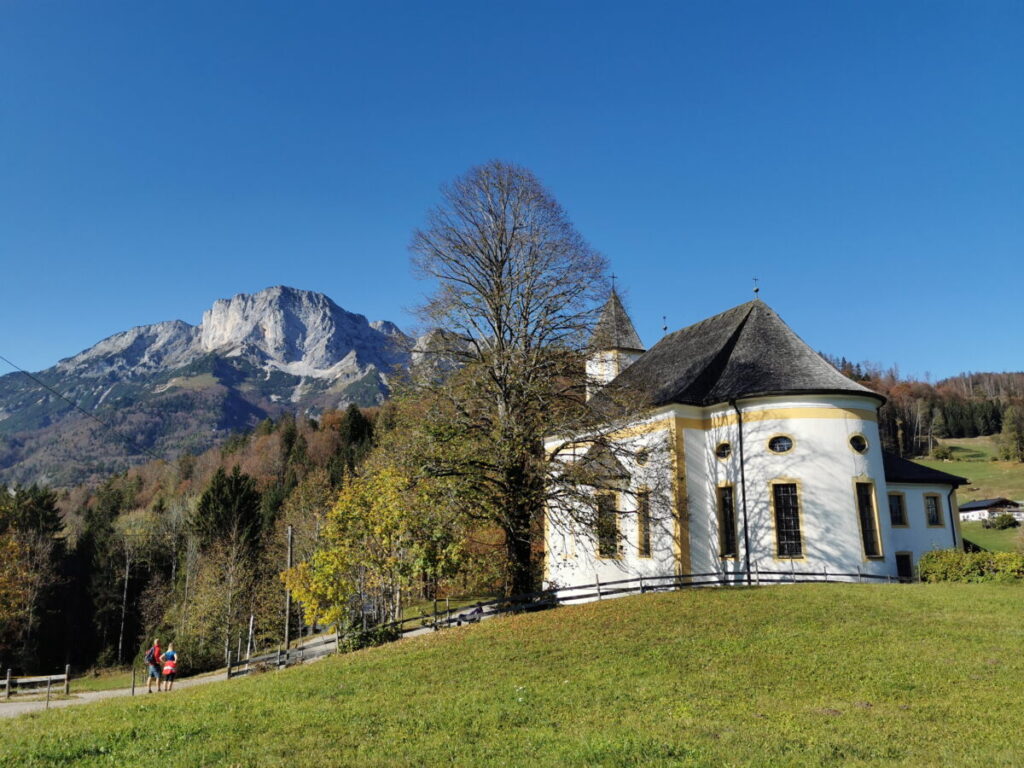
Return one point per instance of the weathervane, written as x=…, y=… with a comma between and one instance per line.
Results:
x=756, y=289
x=664, y=324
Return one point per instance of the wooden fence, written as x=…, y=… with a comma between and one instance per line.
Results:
x=538, y=601
x=34, y=683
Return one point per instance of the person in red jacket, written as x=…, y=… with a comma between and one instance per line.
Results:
x=153, y=662
x=170, y=662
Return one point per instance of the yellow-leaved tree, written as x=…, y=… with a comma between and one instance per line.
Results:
x=386, y=530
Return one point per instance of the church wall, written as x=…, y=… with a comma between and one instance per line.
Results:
x=821, y=464
x=918, y=537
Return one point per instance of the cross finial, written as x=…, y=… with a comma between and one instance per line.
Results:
x=664, y=324
x=757, y=290
x=613, y=282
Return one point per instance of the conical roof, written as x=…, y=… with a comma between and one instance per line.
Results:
x=614, y=329
x=746, y=351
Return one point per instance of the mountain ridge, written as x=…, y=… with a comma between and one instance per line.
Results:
x=174, y=387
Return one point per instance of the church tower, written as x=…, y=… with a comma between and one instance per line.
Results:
x=614, y=346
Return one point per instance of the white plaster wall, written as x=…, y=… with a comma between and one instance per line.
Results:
x=823, y=465
x=918, y=538
x=571, y=552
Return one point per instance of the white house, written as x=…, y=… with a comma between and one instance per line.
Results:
x=986, y=509
x=754, y=454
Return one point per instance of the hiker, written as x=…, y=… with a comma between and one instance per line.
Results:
x=170, y=662
x=153, y=660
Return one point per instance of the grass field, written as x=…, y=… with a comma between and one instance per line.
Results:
x=972, y=458
x=108, y=679
x=1007, y=540
x=800, y=675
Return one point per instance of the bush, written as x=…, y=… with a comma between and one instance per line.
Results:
x=355, y=639
x=954, y=565
x=942, y=452
x=1004, y=521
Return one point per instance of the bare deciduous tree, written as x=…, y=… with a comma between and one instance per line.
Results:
x=518, y=291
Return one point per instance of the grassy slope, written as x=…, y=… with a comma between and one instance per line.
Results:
x=1006, y=540
x=794, y=675
x=971, y=459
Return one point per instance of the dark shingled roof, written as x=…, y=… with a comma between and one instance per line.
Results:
x=899, y=470
x=614, y=329
x=746, y=351
x=988, y=504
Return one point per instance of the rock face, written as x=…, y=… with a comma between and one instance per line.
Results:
x=174, y=387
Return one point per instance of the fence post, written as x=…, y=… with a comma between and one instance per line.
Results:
x=598, y=582
x=757, y=574
x=49, y=683
x=792, y=570
x=641, y=585
x=860, y=576
x=825, y=568
x=8, y=695
x=278, y=658
x=133, y=679
x=228, y=676
x=67, y=679
x=448, y=613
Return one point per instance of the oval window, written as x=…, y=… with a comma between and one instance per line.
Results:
x=859, y=443
x=641, y=457
x=723, y=451
x=780, y=444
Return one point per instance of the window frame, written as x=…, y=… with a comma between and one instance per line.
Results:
x=728, y=447
x=873, y=498
x=792, y=444
x=598, y=538
x=722, y=527
x=775, y=520
x=938, y=509
x=867, y=443
x=643, y=524
x=903, y=506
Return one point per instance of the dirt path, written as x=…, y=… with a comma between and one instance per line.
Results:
x=12, y=707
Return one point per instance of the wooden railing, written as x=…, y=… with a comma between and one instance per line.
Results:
x=539, y=601
x=35, y=683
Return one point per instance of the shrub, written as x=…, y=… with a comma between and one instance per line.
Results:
x=355, y=639
x=1004, y=521
x=954, y=565
x=942, y=452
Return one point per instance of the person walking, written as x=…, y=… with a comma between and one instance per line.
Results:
x=170, y=662
x=153, y=662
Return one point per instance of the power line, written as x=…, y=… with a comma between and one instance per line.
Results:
x=129, y=442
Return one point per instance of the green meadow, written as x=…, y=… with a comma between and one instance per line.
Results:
x=973, y=459
x=797, y=675
x=1006, y=540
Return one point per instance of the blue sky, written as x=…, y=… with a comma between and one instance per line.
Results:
x=863, y=159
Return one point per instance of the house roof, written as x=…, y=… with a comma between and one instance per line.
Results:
x=899, y=470
x=614, y=329
x=987, y=504
x=746, y=351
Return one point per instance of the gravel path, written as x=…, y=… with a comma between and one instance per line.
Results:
x=12, y=707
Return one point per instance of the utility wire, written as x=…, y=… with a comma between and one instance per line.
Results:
x=129, y=442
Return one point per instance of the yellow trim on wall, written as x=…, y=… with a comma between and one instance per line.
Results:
x=906, y=517
x=664, y=420
x=878, y=526
x=680, y=512
x=938, y=507
x=799, y=514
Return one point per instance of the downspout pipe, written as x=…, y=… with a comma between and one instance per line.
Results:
x=949, y=506
x=743, y=489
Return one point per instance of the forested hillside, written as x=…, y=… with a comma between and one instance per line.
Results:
x=190, y=549
x=917, y=413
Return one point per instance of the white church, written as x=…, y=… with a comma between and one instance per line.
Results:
x=754, y=454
